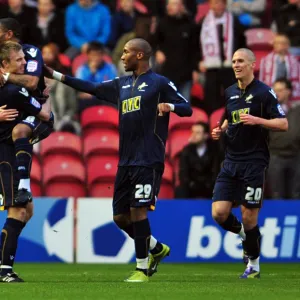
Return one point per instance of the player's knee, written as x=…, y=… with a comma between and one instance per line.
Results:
x=21, y=131
x=220, y=214
x=29, y=212
x=249, y=217
x=122, y=221
x=18, y=213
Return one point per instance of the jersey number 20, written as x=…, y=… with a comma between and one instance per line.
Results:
x=253, y=194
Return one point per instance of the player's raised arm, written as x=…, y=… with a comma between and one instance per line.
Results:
x=107, y=90
x=173, y=100
x=275, y=116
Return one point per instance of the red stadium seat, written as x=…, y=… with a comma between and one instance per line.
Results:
x=36, y=177
x=259, y=38
x=64, y=60
x=167, y=176
x=166, y=191
x=187, y=122
x=259, y=54
x=216, y=117
x=197, y=91
x=102, y=169
x=101, y=141
x=102, y=190
x=64, y=177
x=61, y=143
x=100, y=116
x=178, y=140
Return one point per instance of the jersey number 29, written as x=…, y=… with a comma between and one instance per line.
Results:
x=143, y=191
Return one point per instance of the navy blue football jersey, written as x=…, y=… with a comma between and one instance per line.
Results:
x=19, y=98
x=34, y=66
x=248, y=143
x=143, y=133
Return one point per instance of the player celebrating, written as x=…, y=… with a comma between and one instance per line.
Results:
x=19, y=210
x=145, y=100
x=33, y=81
x=251, y=110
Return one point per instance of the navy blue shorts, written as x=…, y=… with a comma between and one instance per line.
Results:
x=135, y=187
x=9, y=180
x=241, y=184
x=40, y=129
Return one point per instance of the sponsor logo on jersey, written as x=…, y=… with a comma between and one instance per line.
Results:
x=236, y=114
x=131, y=104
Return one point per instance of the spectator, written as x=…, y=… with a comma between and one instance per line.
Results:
x=284, y=169
x=18, y=10
x=249, y=12
x=47, y=26
x=141, y=30
x=288, y=22
x=221, y=35
x=86, y=21
x=280, y=64
x=177, y=47
x=64, y=104
x=95, y=70
x=123, y=21
x=198, y=166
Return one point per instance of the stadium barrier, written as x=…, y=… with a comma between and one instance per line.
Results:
x=59, y=233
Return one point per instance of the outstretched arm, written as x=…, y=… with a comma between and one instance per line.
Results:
x=107, y=90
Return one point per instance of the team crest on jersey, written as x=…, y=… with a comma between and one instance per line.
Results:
x=32, y=52
x=32, y=66
x=248, y=98
x=142, y=86
x=131, y=104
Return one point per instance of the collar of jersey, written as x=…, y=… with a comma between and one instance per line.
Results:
x=248, y=86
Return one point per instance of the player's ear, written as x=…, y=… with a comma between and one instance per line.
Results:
x=140, y=55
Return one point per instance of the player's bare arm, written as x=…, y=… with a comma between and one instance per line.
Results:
x=278, y=124
x=28, y=81
x=7, y=114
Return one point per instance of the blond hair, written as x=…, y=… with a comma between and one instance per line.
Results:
x=6, y=48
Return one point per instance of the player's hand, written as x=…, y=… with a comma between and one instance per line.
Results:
x=48, y=72
x=7, y=114
x=249, y=119
x=163, y=108
x=216, y=132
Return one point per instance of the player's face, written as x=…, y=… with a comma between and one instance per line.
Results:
x=127, y=5
x=129, y=58
x=281, y=45
x=242, y=66
x=198, y=135
x=16, y=64
x=282, y=92
x=95, y=59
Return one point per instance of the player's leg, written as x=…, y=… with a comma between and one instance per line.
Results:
x=225, y=192
x=23, y=148
x=254, y=176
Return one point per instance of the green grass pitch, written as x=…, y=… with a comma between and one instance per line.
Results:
x=173, y=281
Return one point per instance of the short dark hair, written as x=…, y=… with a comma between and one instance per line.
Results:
x=204, y=125
x=13, y=25
x=95, y=46
x=285, y=81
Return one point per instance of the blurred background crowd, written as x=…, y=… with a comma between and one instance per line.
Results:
x=193, y=42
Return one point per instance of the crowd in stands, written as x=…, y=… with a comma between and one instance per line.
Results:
x=193, y=42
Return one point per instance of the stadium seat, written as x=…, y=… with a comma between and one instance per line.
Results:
x=99, y=116
x=64, y=177
x=259, y=54
x=178, y=140
x=197, y=91
x=166, y=191
x=101, y=141
x=62, y=143
x=64, y=60
x=36, y=177
x=259, y=38
x=216, y=117
x=101, y=173
x=186, y=123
